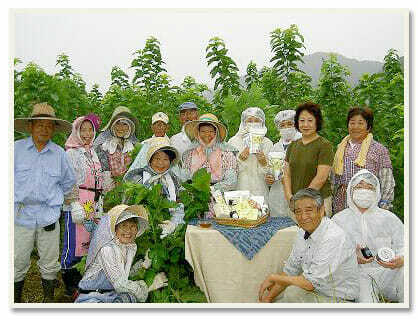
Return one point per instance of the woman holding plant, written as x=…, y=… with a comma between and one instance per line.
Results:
x=308, y=160
x=253, y=149
x=109, y=262
x=161, y=157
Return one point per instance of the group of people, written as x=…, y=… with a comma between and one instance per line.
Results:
x=340, y=202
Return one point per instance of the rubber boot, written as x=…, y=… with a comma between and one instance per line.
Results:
x=48, y=286
x=71, y=278
x=18, y=289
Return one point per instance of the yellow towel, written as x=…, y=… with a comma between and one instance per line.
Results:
x=338, y=165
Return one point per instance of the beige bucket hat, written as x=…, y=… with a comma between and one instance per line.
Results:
x=121, y=112
x=162, y=143
x=191, y=128
x=134, y=211
x=42, y=111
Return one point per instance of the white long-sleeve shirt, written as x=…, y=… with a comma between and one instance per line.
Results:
x=327, y=259
x=115, y=260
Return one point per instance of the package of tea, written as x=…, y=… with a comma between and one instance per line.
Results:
x=276, y=164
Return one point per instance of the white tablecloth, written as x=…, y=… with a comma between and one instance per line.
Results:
x=223, y=273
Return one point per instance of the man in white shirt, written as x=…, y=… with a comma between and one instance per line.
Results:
x=188, y=111
x=322, y=266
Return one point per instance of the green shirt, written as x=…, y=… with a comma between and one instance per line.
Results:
x=303, y=162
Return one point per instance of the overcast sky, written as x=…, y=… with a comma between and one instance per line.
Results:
x=97, y=40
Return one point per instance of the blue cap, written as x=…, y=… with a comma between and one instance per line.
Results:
x=188, y=105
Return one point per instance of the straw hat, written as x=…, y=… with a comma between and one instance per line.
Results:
x=191, y=128
x=42, y=111
x=121, y=112
x=134, y=211
x=160, y=144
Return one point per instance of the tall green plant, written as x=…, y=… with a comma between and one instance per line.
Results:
x=286, y=46
x=225, y=69
x=335, y=97
x=148, y=65
x=119, y=78
x=252, y=75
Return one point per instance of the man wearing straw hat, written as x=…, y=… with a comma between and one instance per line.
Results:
x=42, y=175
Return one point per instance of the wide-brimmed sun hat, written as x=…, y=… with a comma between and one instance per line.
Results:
x=42, y=111
x=192, y=128
x=162, y=144
x=126, y=212
x=121, y=112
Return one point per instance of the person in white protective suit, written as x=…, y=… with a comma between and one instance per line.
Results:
x=370, y=226
x=252, y=166
x=285, y=124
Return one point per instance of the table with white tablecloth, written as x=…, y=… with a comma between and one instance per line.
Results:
x=223, y=273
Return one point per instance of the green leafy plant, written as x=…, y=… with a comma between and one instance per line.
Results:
x=225, y=69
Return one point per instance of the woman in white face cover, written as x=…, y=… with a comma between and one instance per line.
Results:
x=252, y=165
x=285, y=124
x=374, y=228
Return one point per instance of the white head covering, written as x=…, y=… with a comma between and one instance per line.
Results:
x=105, y=232
x=366, y=176
x=284, y=115
x=252, y=112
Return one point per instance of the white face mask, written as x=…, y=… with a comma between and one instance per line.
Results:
x=364, y=198
x=288, y=133
x=253, y=126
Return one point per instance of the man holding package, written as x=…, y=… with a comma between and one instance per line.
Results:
x=42, y=175
x=322, y=266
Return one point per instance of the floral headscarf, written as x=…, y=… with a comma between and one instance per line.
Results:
x=74, y=140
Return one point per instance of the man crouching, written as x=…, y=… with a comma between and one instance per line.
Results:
x=322, y=266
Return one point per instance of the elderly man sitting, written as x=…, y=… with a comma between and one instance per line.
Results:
x=322, y=266
x=42, y=175
x=370, y=227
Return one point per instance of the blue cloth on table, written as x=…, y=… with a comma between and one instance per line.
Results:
x=250, y=241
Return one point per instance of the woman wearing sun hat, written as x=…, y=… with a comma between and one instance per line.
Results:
x=111, y=254
x=209, y=151
x=161, y=157
x=115, y=142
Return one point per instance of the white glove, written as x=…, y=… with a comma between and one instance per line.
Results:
x=134, y=269
x=160, y=281
x=168, y=228
x=108, y=183
x=147, y=261
x=77, y=212
x=178, y=215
